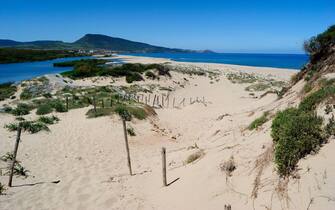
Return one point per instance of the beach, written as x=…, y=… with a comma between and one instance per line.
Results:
x=208, y=119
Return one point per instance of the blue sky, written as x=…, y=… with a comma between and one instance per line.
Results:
x=261, y=26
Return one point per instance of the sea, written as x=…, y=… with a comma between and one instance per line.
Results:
x=288, y=61
x=16, y=72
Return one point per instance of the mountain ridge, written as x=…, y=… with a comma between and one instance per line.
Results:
x=92, y=42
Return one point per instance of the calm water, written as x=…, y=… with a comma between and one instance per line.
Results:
x=291, y=61
x=15, y=72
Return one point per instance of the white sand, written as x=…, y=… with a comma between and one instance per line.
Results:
x=88, y=155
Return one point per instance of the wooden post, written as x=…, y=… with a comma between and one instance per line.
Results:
x=111, y=101
x=174, y=100
x=149, y=98
x=164, y=166
x=127, y=145
x=102, y=103
x=168, y=101
x=18, y=137
x=146, y=100
x=67, y=103
x=162, y=100
x=153, y=102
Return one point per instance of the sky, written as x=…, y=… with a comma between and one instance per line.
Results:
x=242, y=26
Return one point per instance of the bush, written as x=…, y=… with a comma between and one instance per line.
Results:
x=30, y=126
x=21, y=109
x=44, y=109
x=295, y=133
x=123, y=112
x=310, y=102
x=150, y=75
x=134, y=77
x=26, y=94
x=48, y=120
x=59, y=106
x=7, y=90
x=259, y=121
x=131, y=131
x=2, y=189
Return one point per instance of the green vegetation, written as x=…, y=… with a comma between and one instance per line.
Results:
x=132, y=72
x=258, y=87
x=30, y=126
x=48, y=120
x=7, y=90
x=131, y=131
x=259, y=121
x=44, y=109
x=317, y=46
x=2, y=189
x=295, y=133
x=35, y=88
x=11, y=55
x=21, y=109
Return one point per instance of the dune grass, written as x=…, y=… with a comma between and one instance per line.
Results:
x=259, y=121
x=7, y=90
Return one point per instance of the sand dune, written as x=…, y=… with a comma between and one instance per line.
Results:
x=88, y=155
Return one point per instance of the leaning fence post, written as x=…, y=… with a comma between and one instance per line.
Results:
x=164, y=166
x=127, y=145
x=162, y=100
x=102, y=103
x=111, y=101
x=174, y=100
x=18, y=137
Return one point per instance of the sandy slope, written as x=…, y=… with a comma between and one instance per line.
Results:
x=88, y=155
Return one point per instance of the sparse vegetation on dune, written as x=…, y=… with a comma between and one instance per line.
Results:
x=132, y=72
x=2, y=189
x=195, y=156
x=33, y=126
x=259, y=121
x=7, y=90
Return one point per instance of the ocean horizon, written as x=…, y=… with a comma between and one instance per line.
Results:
x=287, y=61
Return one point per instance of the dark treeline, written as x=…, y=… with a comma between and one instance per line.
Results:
x=11, y=55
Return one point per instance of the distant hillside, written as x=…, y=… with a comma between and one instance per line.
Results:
x=91, y=41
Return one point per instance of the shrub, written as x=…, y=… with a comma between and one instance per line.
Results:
x=26, y=94
x=138, y=112
x=100, y=112
x=228, y=166
x=150, y=75
x=134, y=77
x=7, y=90
x=7, y=157
x=44, y=109
x=48, y=120
x=259, y=121
x=21, y=109
x=19, y=170
x=30, y=126
x=295, y=133
x=2, y=189
x=59, y=106
x=131, y=131
x=310, y=102
x=123, y=112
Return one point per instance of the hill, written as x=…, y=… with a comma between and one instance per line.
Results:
x=91, y=41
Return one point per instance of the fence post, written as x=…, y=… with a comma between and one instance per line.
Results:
x=127, y=145
x=174, y=100
x=153, y=102
x=111, y=101
x=18, y=137
x=102, y=103
x=162, y=100
x=164, y=166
